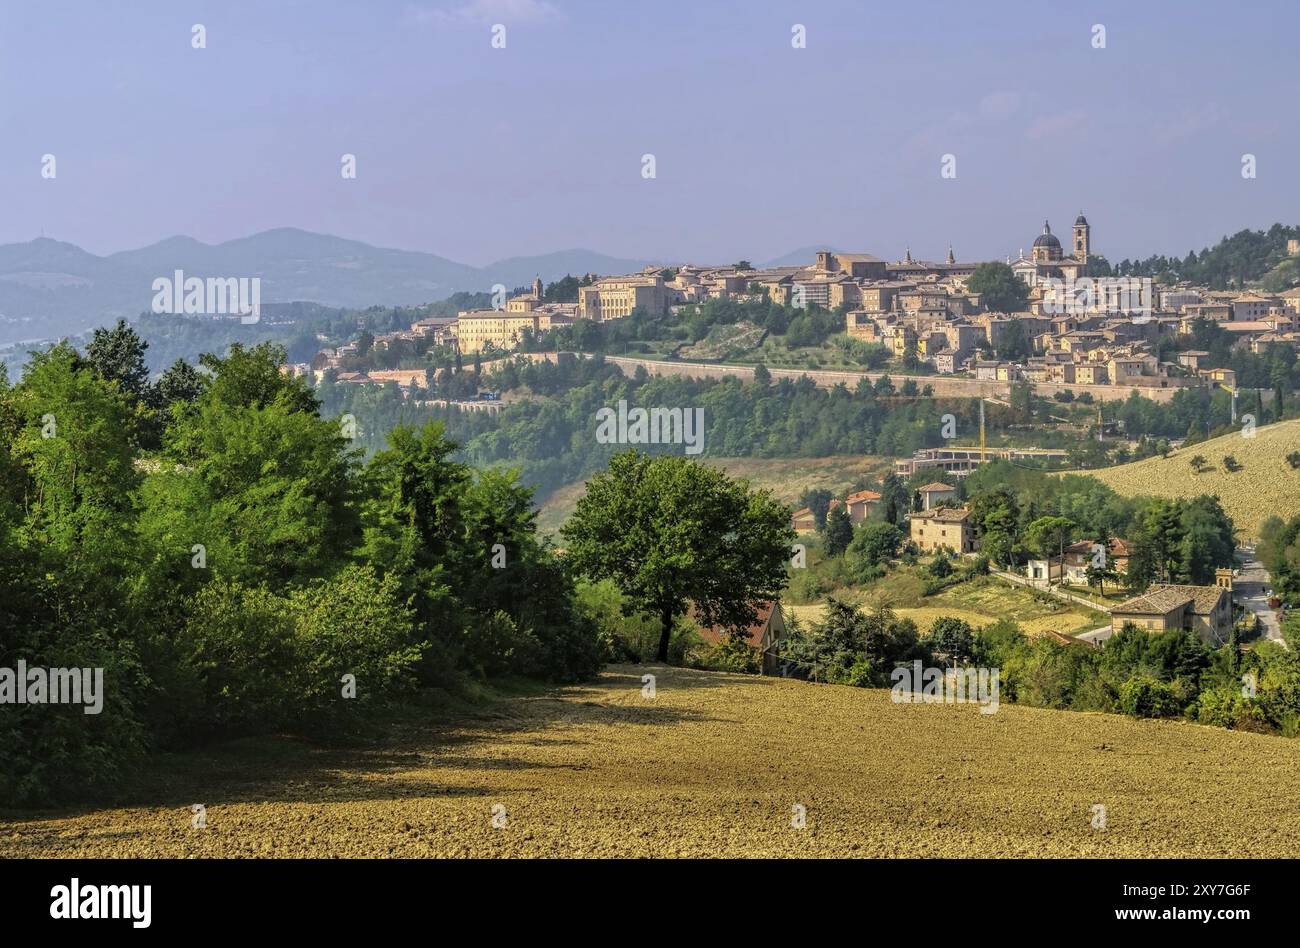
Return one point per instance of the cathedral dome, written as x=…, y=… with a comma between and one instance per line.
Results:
x=1047, y=238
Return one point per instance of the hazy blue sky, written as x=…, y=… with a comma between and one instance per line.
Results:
x=478, y=153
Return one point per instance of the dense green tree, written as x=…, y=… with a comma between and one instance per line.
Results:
x=999, y=288
x=839, y=531
x=893, y=499
x=818, y=502
x=952, y=638
x=118, y=355
x=671, y=533
x=180, y=383
x=875, y=543
x=1048, y=535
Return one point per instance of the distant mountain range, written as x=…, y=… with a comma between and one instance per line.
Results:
x=49, y=288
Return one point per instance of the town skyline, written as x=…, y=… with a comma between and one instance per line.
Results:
x=929, y=249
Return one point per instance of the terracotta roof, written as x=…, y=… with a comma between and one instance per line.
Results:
x=1118, y=547
x=1162, y=598
x=753, y=632
x=936, y=486
x=868, y=495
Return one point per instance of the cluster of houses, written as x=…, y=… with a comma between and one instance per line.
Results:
x=859, y=505
x=1080, y=329
x=942, y=526
x=434, y=331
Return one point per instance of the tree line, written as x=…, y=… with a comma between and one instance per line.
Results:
x=228, y=558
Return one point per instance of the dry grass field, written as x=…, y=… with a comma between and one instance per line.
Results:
x=1265, y=485
x=787, y=478
x=712, y=767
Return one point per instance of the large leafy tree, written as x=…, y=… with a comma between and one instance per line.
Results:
x=875, y=543
x=251, y=377
x=1048, y=535
x=953, y=638
x=256, y=477
x=670, y=532
x=998, y=287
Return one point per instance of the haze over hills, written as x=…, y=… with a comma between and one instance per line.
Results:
x=50, y=288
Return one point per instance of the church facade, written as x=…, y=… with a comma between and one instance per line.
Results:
x=1047, y=259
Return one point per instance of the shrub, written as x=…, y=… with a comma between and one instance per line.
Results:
x=732, y=654
x=50, y=752
x=496, y=646
x=941, y=567
x=355, y=624
x=1145, y=697
x=260, y=661
x=1226, y=706
x=619, y=637
x=238, y=643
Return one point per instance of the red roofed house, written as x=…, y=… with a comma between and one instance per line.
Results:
x=763, y=634
x=803, y=520
x=860, y=504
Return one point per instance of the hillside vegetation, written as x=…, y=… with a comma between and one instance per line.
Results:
x=713, y=766
x=980, y=603
x=1265, y=485
x=787, y=478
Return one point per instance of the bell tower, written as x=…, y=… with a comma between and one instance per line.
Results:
x=1082, y=238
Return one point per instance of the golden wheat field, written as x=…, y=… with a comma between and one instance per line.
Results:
x=1266, y=484
x=714, y=765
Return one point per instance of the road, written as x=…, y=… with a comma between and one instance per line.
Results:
x=1250, y=588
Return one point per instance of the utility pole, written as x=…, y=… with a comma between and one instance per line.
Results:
x=983, y=458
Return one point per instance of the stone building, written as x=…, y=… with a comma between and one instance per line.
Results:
x=1206, y=610
x=944, y=528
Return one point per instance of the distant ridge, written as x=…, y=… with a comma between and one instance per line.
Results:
x=804, y=256
x=51, y=288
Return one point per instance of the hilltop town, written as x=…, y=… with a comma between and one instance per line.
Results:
x=1073, y=326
